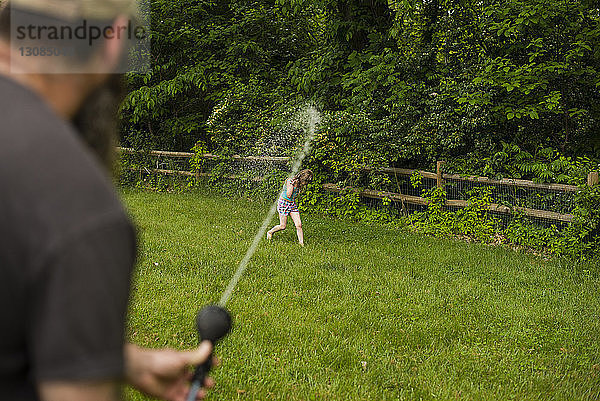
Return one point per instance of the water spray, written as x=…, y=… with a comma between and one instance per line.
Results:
x=214, y=322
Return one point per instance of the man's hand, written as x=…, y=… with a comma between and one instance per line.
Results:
x=165, y=373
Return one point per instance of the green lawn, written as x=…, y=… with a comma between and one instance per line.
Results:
x=363, y=312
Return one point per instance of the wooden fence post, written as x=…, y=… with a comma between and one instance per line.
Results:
x=439, y=171
x=592, y=178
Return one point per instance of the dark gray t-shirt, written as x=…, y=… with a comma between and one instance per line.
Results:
x=67, y=249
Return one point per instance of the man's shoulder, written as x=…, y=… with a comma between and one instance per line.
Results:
x=51, y=181
x=36, y=144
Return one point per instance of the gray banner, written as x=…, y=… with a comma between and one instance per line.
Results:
x=44, y=42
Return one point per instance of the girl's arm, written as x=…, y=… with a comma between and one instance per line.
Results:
x=289, y=189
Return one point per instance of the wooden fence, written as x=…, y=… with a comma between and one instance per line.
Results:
x=439, y=176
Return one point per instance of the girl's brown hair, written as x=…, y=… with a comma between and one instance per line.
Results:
x=303, y=178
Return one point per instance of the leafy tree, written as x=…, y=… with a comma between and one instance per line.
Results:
x=431, y=79
x=205, y=53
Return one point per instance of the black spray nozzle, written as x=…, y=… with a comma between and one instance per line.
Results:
x=213, y=323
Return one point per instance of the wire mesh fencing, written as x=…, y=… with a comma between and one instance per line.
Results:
x=402, y=189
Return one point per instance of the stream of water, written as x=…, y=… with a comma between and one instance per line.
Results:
x=312, y=118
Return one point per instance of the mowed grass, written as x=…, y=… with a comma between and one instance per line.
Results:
x=362, y=312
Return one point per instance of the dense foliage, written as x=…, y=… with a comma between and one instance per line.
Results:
x=503, y=88
x=433, y=78
x=206, y=57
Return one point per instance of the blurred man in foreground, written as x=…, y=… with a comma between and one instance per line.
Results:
x=67, y=247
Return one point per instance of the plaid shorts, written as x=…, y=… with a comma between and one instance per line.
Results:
x=285, y=206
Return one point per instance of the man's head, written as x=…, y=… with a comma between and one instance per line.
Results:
x=84, y=43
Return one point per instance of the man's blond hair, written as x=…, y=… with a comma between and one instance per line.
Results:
x=75, y=9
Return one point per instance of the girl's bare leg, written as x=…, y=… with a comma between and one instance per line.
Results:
x=298, y=223
x=279, y=227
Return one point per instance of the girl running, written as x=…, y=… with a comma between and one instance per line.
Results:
x=287, y=203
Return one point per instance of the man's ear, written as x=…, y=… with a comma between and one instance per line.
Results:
x=115, y=44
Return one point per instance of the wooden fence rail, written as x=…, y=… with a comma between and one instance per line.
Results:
x=187, y=155
x=417, y=200
x=439, y=176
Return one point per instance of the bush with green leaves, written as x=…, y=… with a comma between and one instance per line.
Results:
x=543, y=164
x=577, y=239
